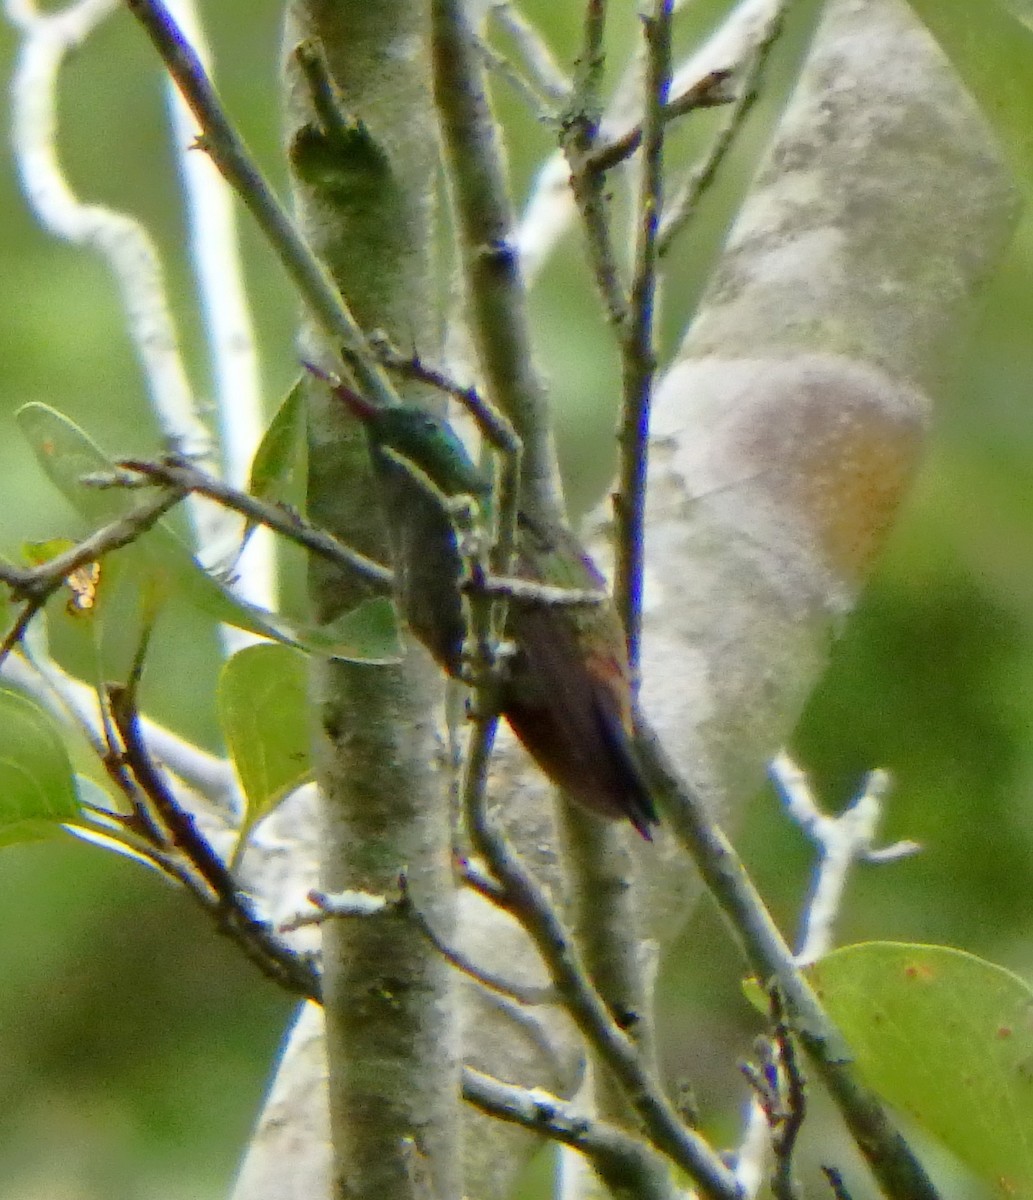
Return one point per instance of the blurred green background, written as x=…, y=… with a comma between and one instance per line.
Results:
x=134, y=1044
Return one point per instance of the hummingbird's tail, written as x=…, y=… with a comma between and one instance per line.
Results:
x=637, y=800
x=589, y=754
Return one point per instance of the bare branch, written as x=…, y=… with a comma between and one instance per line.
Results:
x=38, y=584
x=185, y=478
x=552, y=206
x=621, y=1160
x=710, y=91
x=638, y=352
x=496, y=305
x=783, y=1183
x=221, y=141
x=580, y=132
x=211, y=779
x=780, y=1095
x=531, y=594
x=493, y=424
x=174, y=831
x=490, y=980
x=525, y=899
x=841, y=840
x=525, y=87
x=685, y=199
x=327, y=906
x=538, y=59
x=835, y=1182
x=593, y=204
x=888, y=1154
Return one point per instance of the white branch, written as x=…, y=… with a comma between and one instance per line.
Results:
x=751, y=1159
x=121, y=240
x=842, y=841
x=214, y=246
x=534, y=51
x=75, y=705
x=550, y=209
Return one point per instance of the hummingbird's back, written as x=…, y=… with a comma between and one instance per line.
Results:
x=568, y=697
x=567, y=692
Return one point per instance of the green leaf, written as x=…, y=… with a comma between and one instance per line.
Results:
x=66, y=454
x=263, y=710
x=367, y=633
x=991, y=48
x=1022, y=10
x=37, y=792
x=96, y=801
x=277, y=457
x=81, y=590
x=166, y=566
x=947, y=1038
x=93, y=796
x=38, y=553
x=6, y=615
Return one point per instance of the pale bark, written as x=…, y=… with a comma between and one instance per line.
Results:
x=785, y=437
x=364, y=193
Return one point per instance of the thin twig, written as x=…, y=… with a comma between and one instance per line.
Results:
x=540, y=105
x=18, y=630
x=588, y=78
x=578, y=143
x=835, y=1182
x=223, y=143
x=638, y=350
x=492, y=423
x=709, y=92
x=231, y=910
x=334, y=906
x=793, y=1089
x=539, y=61
x=177, y=825
x=622, y=1160
x=889, y=1156
x=685, y=201
x=529, y=594
x=551, y=206
x=185, y=478
x=492, y=981
x=42, y=581
x=38, y=584
x=524, y=898
x=74, y=704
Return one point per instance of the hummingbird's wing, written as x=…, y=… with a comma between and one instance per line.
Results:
x=637, y=800
x=568, y=697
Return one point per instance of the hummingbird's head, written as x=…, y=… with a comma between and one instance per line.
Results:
x=425, y=440
x=415, y=435
x=430, y=443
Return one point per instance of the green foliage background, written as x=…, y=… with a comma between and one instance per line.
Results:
x=134, y=1044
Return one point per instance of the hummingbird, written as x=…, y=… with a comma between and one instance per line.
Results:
x=566, y=689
